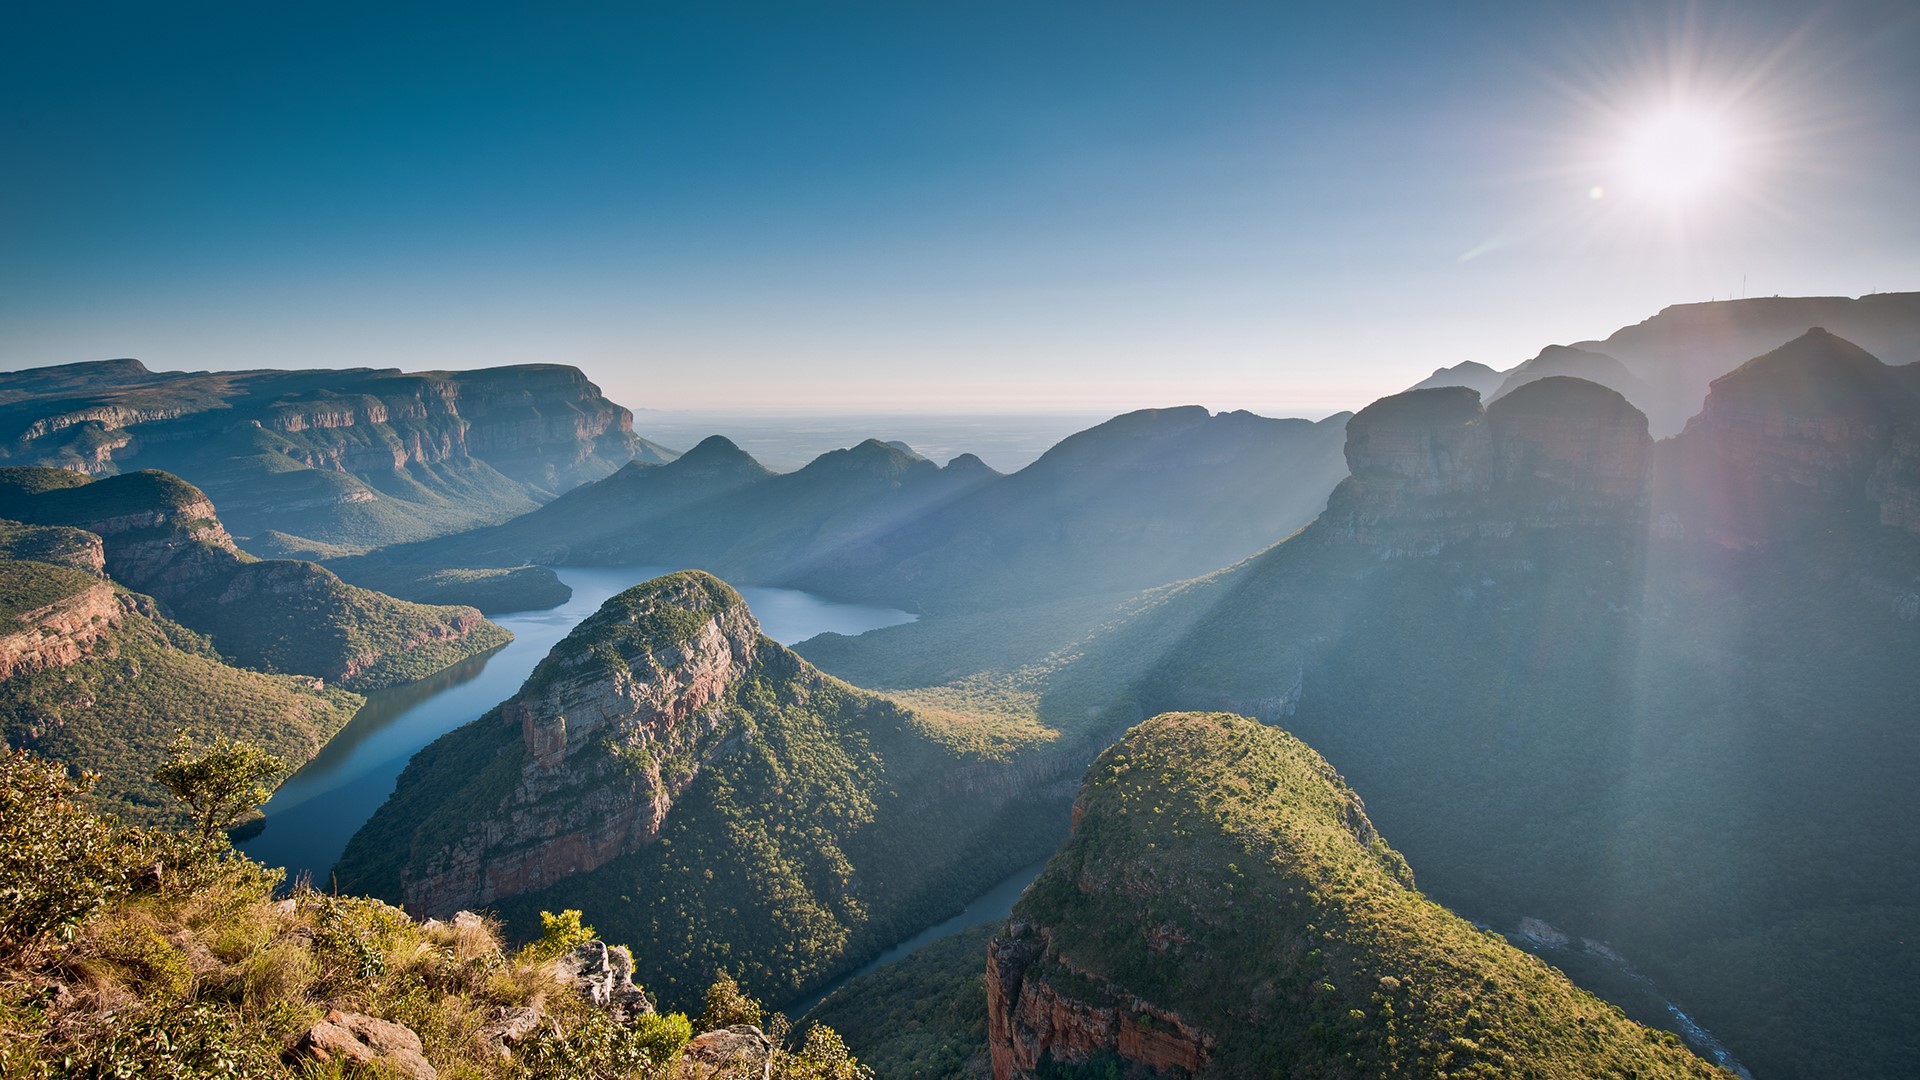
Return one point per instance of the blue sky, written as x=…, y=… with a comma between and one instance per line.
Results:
x=1292, y=208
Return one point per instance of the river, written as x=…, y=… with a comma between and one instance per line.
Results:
x=994, y=905
x=312, y=816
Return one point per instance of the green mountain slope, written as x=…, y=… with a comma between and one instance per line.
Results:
x=96, y=677
x=701, y=792
x=1143, y=499
x=1225, y=908
x=161, y=536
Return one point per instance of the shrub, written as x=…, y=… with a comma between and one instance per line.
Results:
x=58, y=862
x=600, y=1047
x=559, y=935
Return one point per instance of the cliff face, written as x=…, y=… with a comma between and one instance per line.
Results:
x=610, y=732
x=1798, y=432
x=304, y=453
x=159, y=535
x=59, y=633
x=1224, y=908
x=1032, y=1020
x=1431, y=467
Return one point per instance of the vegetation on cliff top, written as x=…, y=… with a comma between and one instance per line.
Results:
x=1219, y=869
x=29, y=586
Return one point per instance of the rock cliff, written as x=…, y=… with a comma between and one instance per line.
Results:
x=160, y=535
x=1798, y=433
x=610, y=733
x=1431, y=467
x=329, y=458
x=1224, y=908
x=61, y=631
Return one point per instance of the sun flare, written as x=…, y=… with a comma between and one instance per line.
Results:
x=1677, y=155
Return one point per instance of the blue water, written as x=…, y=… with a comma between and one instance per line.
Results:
x=313, y=815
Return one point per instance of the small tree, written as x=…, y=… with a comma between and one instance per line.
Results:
x=220, y=783
x=559, y=935
x=823, y=1056
x=727, y=1005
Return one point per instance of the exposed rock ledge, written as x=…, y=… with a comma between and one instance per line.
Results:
x=627, y=693
x=1034, y=1020
x=60, y=633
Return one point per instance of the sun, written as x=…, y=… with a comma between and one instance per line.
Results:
x=1676, y=156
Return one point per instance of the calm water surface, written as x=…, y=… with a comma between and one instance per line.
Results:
x=314, y=814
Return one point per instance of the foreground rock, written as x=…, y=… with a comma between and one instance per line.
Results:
x=346, y=1039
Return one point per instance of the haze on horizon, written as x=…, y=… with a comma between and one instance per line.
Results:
x=937, y=207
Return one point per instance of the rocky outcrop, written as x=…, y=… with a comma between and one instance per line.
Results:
x=1031, y=1020
x=1571, y=436
x=1815, y=412
x=160, y=536
x=739, y=1052
x=348, y=1039
x=599, y=724
x=1431, y=467
x=603, y=974
x=59, y=633
x=1806, y=429
x=1420, y=443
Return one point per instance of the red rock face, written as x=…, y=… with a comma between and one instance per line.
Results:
x=590, y=787
x=60, y=633
x=1030, y=1021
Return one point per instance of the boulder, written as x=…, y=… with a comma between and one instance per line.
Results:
x=730, y=1053
x=358, y=1039
x=603, y=974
